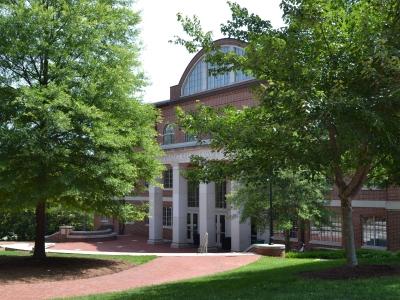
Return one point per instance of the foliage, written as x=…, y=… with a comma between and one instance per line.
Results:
x=20, y=225
x=329, y=95
x=73, y=130
x=340, y=254
x=296, y=197
x=132, y=212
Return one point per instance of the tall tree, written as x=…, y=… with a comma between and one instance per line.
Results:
x=329, y=93
x=297, y=198
x=72, y=129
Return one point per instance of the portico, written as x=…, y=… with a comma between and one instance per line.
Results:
x=197, y=208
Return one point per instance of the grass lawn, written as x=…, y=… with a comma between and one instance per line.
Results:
x=275, y=279
x=135, y=260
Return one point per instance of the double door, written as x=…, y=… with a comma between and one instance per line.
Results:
x=220, y=230
x=192, y=228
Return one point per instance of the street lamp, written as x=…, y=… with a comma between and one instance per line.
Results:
x=271, y=220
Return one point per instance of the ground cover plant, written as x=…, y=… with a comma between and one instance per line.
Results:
x=278, y=279
x=18, y=267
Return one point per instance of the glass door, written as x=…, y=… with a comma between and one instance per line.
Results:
x=219, y=229
x=192, y=231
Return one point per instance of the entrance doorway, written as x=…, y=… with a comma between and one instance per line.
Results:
x=192, y=228
x=219, y=229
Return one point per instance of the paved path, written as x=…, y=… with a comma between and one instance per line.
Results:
x=159, y=270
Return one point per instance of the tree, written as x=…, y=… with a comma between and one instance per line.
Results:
x=72, y=130
x=329, y=93
x=297, y=199
x=131, y=213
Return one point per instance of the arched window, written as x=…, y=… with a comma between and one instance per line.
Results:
x=169, y=134
x=189, y=137
x=201, y=78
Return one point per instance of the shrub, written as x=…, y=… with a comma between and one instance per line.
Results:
x=21, y=225
x=340, y=254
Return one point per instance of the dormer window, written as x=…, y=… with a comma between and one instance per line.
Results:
x=169, y=134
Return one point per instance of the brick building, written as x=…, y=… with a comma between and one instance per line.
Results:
x=182, y=212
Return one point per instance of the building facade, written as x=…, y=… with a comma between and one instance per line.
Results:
x=182, y=212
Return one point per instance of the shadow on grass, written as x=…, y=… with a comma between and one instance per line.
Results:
x=269, y=278
x=21, y=267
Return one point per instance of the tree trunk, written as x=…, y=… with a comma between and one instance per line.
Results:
x=39, y=250
x=348, y=232
x=121, y=228
x=288, y=247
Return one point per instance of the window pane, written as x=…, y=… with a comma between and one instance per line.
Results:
x=331, y=232
x=168, y=178
x=193, y=194
x=220, y=195
x=374, y=231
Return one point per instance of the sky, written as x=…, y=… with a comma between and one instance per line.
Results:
x=163, y=62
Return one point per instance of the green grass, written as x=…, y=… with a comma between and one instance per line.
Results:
x=135, y=260
x=275, y=279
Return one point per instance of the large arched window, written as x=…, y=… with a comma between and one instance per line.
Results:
x=169, y=134
x=200, y=78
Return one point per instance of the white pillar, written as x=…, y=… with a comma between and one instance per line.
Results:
x=179, y=207
x=207, y=212
x=155, y=215
x=240, y=231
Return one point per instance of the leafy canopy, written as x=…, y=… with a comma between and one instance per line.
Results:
x=72, y=127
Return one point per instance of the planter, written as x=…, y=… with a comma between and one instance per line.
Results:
x=276, y=250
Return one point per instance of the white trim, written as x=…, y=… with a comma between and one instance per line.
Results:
x=168, y=199
x=136, y=198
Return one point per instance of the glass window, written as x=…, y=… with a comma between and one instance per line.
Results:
x=220, y=195
x=189, y=137
x=193, y=194
x=168, y=178
x=293, y=232
x=200, y=79
x=374, y=231
x=169, y=134
x=167, y=216
x=194, y=81
x=328, y=233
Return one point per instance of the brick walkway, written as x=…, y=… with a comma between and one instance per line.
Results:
x=126, y=243
x=160, y=270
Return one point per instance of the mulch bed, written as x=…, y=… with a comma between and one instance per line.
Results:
x=14, y=269
x=362, y=271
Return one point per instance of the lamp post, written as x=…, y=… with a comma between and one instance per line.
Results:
x=271, y=219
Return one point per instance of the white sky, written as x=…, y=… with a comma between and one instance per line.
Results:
x=164, y=62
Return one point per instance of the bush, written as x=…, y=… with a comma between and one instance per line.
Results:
x=321, y=254
x=21, y=225
x=340, y=254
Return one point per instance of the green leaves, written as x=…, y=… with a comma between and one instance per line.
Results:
x=72, y=129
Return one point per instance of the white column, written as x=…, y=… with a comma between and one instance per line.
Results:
x=179, y=207
x=155, y=215
x=207, y=212
x=240, y=231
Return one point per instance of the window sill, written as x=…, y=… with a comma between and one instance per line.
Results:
x=185, y=144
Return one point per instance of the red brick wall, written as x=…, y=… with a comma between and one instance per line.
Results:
x=239, y=97
x=138, y=228
x=393, y=229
